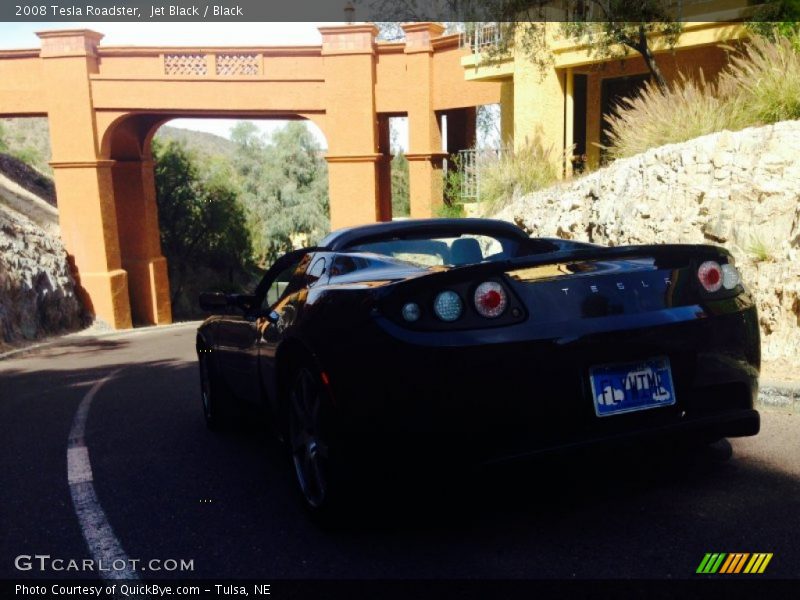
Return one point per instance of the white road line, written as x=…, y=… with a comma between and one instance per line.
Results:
x=79, y=469
x=100, y=538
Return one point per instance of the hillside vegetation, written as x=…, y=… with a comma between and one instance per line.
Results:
x=28, y=140
x=201, y=143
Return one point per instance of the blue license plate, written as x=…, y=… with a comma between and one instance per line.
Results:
x=627, y=387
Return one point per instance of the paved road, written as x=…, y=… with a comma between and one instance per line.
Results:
x=171, y=489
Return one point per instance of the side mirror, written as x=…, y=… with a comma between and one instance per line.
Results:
x=213, y=301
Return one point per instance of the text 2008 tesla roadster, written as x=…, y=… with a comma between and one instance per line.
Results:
x=468, y=339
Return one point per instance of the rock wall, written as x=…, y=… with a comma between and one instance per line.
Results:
x=37, y=291
x=740, y=190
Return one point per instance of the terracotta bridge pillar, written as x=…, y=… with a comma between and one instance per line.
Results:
x=140, y=242
x=425, y=154
x=353, y=158
x=83, y=182
x=107, y=208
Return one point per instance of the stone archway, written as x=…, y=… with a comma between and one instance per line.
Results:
x=127, y=145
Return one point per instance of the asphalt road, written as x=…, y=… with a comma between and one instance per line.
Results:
x=170, y=489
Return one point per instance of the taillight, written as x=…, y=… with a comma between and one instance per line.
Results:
x=411, y=312
x=490, y=299
x=730, y=276
x=710, y=276
x=447, y=306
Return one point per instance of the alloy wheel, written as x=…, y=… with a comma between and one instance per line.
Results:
x=310, y=452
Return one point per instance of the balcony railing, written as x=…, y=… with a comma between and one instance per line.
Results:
x=470, y=166
x=481, y=37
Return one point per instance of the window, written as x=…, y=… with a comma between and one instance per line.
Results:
x=316, y=271
x=465, y=249
x=287, y=279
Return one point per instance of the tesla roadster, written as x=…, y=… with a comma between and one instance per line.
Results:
x=466, y=340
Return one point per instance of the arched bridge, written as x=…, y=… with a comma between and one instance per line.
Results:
x=104, y=104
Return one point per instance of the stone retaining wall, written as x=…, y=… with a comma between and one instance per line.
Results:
x=740, y=190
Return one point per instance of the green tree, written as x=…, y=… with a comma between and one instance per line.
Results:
x=3, y=144
x=389, y=31
x=203, y=228
x=777, y=18
x=284, y=188
x=610, y=28
x=392, y=31
x=401, y=201
x=487, y=126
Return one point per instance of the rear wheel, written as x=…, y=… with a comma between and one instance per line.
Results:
x=217, y=403
x=312, y=445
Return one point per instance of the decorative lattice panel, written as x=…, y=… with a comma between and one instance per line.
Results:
x=185, y=64
x=237, y=64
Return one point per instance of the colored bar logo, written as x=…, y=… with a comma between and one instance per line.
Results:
x=733, y=563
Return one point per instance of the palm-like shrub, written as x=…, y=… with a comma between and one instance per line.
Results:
x=519, y=171
x=765, y=79
x=760, y=85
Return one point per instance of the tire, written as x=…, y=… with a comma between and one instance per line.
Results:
x=216, y=401
x=317, y=466
x=719, y=450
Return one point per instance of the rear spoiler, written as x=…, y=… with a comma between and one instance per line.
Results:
x=584, y=252
x=669, y=254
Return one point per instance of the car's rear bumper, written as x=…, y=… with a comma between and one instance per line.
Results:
x=491, y=401
x=737, y=423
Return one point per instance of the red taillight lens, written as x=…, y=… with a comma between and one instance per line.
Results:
x=490, y=299
x=710, y=276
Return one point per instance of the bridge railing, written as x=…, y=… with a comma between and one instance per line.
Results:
x=213, y=64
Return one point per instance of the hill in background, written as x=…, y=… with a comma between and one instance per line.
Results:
x=205, y=145
x=28, y=140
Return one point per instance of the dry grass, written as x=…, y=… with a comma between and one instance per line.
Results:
x=518, y=172
x=760, y=85
x=765, y=79
x=687, y=109
x=759, y=251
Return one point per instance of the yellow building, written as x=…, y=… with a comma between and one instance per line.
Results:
x=562, y=103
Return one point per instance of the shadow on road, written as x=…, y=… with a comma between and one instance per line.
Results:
x=172, y=488
x=73, y=350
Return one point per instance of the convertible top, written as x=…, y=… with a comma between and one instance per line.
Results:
x=353, y=236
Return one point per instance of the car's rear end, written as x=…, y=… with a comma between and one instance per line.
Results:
x=576, y=346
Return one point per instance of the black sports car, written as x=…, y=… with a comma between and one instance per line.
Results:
x=467, y=340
